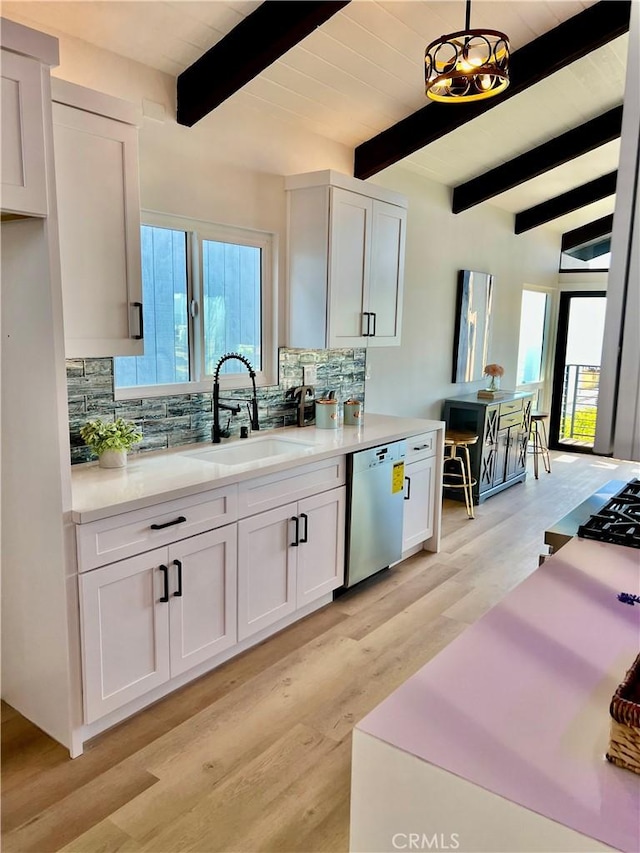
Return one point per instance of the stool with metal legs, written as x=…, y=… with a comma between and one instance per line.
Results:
x=539, y=445
x=455, y=443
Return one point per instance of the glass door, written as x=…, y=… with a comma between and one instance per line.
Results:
x=576, y=375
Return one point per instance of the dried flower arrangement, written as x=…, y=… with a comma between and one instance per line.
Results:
x=494, y=370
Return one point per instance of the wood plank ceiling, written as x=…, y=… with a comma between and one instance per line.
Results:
x=362, y=71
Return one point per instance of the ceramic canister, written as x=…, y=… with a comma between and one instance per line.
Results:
x=352, y=412
x=327, y=414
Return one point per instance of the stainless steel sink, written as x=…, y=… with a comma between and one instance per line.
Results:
x=253, y=450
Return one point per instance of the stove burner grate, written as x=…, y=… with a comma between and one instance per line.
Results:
x=619, y=519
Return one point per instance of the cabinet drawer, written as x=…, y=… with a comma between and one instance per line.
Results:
x=301, y=482
x=512, y=420
x=110, y=539
x=512, y=406
x=421, y=446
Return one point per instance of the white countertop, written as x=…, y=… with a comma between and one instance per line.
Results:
x=157, y=476
x=519, y=703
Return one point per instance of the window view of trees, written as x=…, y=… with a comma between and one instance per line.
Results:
x=164, y=300
x=229, y=293
x=231, y=278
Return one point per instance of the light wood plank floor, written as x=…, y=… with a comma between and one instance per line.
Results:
x=256, y=755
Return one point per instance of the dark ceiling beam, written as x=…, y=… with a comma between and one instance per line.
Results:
x=587, y=233
x=250, y=47
x=575, y=142
x=566, y=203
x=545, y=55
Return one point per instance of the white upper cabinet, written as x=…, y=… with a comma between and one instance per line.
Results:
x=26, y=57
x=346, y=243
x=97, y=184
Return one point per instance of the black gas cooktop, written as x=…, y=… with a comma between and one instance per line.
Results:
x=619, y=519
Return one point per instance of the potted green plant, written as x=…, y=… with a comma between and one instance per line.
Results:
x=110, y=440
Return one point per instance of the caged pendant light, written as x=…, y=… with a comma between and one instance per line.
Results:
x=467, y=66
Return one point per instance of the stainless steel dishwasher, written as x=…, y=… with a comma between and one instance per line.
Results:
x=375, y=505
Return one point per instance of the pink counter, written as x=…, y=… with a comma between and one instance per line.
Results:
x=518, y=704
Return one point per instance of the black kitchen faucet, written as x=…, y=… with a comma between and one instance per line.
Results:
x=216, y=432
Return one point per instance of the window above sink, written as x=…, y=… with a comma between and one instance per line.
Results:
x=207, y=289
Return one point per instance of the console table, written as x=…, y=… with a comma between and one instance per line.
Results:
x=499, y=459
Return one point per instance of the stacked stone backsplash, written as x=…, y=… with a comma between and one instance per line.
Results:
x=186, y=418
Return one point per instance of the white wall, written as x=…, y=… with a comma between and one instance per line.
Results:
x=229, y=168
x=414, y=378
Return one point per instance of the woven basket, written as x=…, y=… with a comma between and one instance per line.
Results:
x=624, y=737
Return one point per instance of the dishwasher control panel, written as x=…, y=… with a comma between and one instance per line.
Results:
x=382, y=455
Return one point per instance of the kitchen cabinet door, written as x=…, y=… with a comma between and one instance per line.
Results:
x=203, y=611
x=503, y=456
x=320, y=554
x=96, y=163
x=125, y=632
x=346, y=244
x=349, y=259
x=24, y=179
x=266, y=569
x=366, y=270
x=386, y=274
x=419, y=496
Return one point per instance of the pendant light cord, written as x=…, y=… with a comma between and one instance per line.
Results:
x=467, y=25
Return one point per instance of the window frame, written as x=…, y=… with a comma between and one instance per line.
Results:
x=198, y=230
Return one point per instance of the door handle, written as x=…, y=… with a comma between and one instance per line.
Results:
x=165, y=572
x=305, y=536
x=296, y=521
x=408, y=482
x=178, y=565
x=140, y=334
x=368, y=316
x=375, y=319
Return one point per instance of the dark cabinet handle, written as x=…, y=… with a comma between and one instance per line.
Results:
x=139, y=336
x=178, y=565
x=422, y=447
x=296, y=521
x=368, y=316
x=408, y=495
x=373, y=334
x=165, y=572
x=177, y=520
x=305, y=536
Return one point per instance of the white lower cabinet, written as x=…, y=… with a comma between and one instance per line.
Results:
x=289, y=557
x=419, y=493
x=153, y=616
x=420, y=483
x=321, y=551
x=203, y=611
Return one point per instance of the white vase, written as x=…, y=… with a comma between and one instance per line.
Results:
x=113, y=459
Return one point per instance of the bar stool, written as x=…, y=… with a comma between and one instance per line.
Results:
x=538, y=436
x=454, y=442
